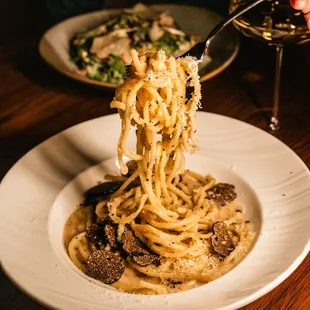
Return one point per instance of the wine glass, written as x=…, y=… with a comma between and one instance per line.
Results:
x=276, y=23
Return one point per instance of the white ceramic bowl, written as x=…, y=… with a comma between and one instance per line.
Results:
x=44, y=187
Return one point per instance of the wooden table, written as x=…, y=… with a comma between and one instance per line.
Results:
x=36, y=103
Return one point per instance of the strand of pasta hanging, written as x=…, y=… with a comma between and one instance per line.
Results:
x=155, y=103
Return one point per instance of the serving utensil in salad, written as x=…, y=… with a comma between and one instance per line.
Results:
x=198, y=51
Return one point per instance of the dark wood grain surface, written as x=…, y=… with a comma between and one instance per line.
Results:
x=36, y=103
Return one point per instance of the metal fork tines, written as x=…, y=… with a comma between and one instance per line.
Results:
x=198, y=51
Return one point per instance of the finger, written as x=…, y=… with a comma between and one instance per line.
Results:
x=307, y=17
x=306, y=8
x=298, y=4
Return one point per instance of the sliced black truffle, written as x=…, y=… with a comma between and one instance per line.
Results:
x=135, y=248
x=221, y=240
x=131, y=244
x=100, y=192
x=103, y=232
x=146, y=259
x=222, y=193
x=96, y=234
x=105, y=266
x=110, y=229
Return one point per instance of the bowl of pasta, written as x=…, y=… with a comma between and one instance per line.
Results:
x=175, y=206
x=94, y=48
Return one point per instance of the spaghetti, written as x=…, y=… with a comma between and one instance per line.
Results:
x=169, y=209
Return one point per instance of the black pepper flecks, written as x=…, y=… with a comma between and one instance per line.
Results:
x=105, y=266
x=222, y=193
x=176, y=282
x=221, y=240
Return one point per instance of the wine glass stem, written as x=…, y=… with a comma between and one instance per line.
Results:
x=274, y=121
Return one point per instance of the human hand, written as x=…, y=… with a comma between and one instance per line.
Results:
x=304, y=6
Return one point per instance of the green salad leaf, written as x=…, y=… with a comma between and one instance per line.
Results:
x=111, y=67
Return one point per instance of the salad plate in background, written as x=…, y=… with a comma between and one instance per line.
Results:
x=94, y=48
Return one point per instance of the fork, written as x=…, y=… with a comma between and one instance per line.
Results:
x=198, y=51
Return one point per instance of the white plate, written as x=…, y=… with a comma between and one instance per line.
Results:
x=41, y=190
x=54, y=45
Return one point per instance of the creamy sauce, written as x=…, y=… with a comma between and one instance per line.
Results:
x=133, y=282
x=183, y=275
x=78, y=221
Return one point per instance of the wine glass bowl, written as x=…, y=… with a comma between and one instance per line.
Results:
x=276, y=23
x=272, y=21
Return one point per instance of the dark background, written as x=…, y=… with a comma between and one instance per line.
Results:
x=36, y=102
x=33, y=15
x=59, y=9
